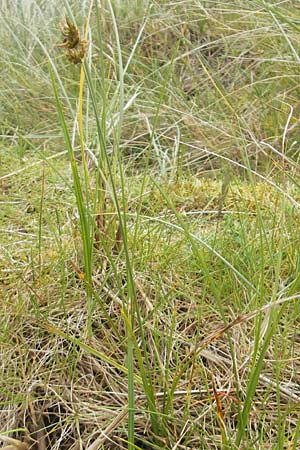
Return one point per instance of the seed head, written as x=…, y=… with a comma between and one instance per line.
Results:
x=74, y=46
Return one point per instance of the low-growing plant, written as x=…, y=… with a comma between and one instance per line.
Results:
x=149, y=259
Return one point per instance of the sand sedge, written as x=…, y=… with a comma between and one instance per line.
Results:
x=74, y=46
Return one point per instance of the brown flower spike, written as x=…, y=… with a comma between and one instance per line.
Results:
x=74, y=46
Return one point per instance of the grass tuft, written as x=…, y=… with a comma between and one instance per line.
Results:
x=149, y=190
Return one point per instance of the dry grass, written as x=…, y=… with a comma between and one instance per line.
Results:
x=203, y=157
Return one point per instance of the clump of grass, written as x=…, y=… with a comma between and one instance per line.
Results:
x=149, y=268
